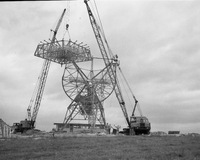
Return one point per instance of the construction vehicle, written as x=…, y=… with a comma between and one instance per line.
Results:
x=29, y=123
x=136, y=124
x=22, y=126
x=139, y=124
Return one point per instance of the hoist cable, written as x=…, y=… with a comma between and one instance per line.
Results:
x=139, y=109
x=67, y=19
x=99, y=19
x=93, y=10
x=125, y=88
x=127, y=83
x=102, y=32
x=138, y=106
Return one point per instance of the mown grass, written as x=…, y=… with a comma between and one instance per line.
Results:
x=108, y=148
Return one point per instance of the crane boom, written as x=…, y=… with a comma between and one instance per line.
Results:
x=43, y=78
x=36, y=98
x=103, y=51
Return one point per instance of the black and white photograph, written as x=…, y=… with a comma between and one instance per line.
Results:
x=100, y=79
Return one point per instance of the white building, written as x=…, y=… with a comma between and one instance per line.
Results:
x=5, y=130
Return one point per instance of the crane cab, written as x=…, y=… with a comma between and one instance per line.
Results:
x=139, y=125
x=23, y=126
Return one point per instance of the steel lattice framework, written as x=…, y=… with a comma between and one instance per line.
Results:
x=38, y=92
x=87, y=90
x=63, y=52
x=106, y=59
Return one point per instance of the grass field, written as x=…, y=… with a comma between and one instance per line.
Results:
x=101, y=147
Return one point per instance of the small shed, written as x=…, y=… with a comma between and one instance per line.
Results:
x=5, y=130
x=173, y=132
x=74, y=126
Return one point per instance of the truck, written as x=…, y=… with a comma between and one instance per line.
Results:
x=22, y=126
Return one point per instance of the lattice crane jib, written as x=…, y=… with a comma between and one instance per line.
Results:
x=59, y=51
x=106, y=59
x=38, y=93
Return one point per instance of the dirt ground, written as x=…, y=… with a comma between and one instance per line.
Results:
x=105, y=147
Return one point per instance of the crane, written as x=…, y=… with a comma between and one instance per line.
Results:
x=106, y=59
x=39, y=89
x=143, y=125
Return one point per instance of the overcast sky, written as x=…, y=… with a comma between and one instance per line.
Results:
x=157, y=42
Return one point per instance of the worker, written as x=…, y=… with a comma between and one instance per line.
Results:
x=117, y=127
x=67, y=26
x=53, y=134
x=108, y=128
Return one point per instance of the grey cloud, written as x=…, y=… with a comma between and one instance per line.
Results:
x=157, y=43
